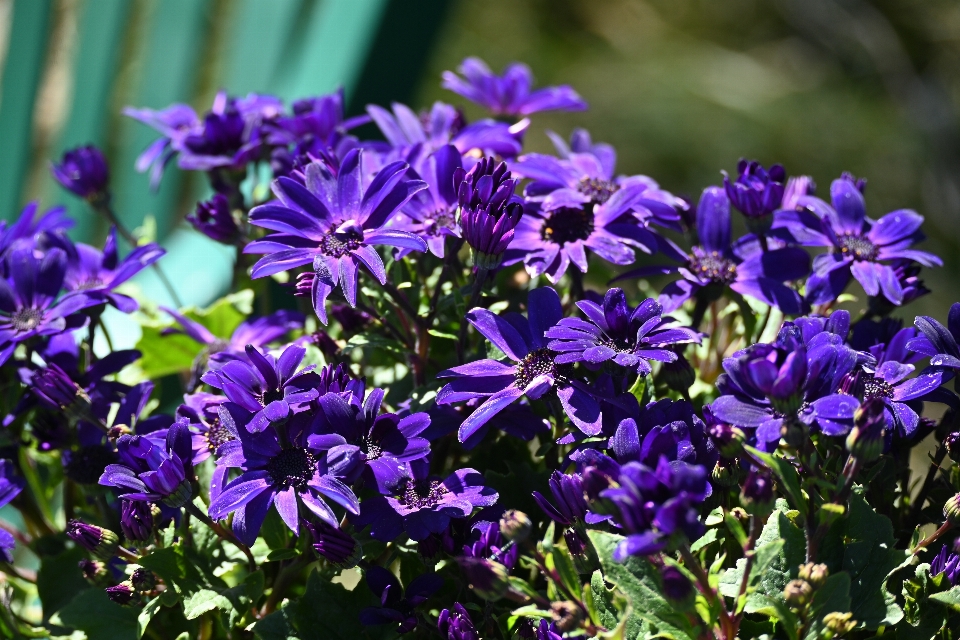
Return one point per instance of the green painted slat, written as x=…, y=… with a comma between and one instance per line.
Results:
x=334, y=48
x=101, y=30
x=168, y=74
x=260, y=34
x=21, y=74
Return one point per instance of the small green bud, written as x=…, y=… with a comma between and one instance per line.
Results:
x=815, y=574
x=865, y=440
x=797, y=593
x=839, y=623
x=951, y=510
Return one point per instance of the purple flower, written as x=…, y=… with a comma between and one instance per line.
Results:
x=486, y=541
x=534, y=372
x=509, y=94
x=136, y=519
x=757, y=193
x=948, y=564
x=28, y=299
x=631, y=338
x=417, y=137
x=489, y=212
x=270, y=388
x=517, y=420
x=7, y=545
x=581, y=142
x=283, y=475
x=152, y=470
x=47, y=230
x=397, y=606
x=214, y=219
x=576, y=204
x=668, y=428
x=10, y=484
x=98, y=273
x=121, y=594
x=455, y=624
x=939, y=342
x=432, y=213
x=859, y=246
x=888, y=382
x=717, y=263
x=174, y=123
x=333, y=223
x=362, y=441
x=101, y=542
x=333, y=543
x=316, y=125
x=654, y=505
x=766, y=385
x=83, y=171
x=420, y=505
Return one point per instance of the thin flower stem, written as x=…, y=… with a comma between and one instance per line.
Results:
x=850, y=471
x=402, y=301
x=917, y=506
x=474, y=300
x=933, y=537
x=224, y=534
x=703, y=581
x=284, y=580
x=448, y=260
x=750, y=554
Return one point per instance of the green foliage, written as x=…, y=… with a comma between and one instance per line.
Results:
x=100, y=619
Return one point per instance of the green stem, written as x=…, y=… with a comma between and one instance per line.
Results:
x=224, y=534
x=478, y=282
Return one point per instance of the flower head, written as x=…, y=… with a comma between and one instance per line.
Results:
x=668, y=428
x=509, y=94
x=333, y=221
x=214, y=219
x=84, y=172
x=332, y=543
x=136, y=519
x=947, y=564
x=455, y=624
x=154, y=470
x=631, y=338
x=756, y=193
x=10, y=484
x=101, y=542
x=489, y=212
x=533, y=371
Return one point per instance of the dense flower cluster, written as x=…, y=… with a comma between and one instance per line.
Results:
x=664, y=445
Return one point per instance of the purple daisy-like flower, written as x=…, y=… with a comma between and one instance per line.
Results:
x=766, y=385
x=274, y=474
x=397, y=605
x=717, y=263
x=517, y=420
x=631, y=338
x=316, y=125
x=29, y=304
x=533, y=372
x=756, y=193
x=581, y=142
x=654, y=504
x=98, y=273
x=939, y=342
x=83, y=171
x=948, y=564
x=420, y=505
x=174, y=124
x=152, y=470
x=509, y=94
x=860, y=247
x=569, y=508
x=576, y=204
x=49, y=229
x=419, y=136
x=271, y=389
x=333, y=221
x=667, y=428
x=888, y=381
x=362, y=441
x=432, y=213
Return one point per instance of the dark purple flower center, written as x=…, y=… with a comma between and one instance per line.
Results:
x=271, y=395
x=712, y=266
x=371, y=449
x=440, y=220
x=338, y=245
x=217, y=435
x=421, y=495
x=877, y=388
x=536, y=363
x=292, y=468
x=568, y=224
x=857, y=247
x=599, y=191
x=26, y=319
x=620, y=345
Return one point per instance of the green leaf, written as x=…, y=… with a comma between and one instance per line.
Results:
x=441, y=334
x=832, y=596
x=198, y=603
x=93, y=613
x=637, y=580
x=869, y=556
x=613, y=609
x=59, y=581
x=765, y=554
x=787, y=476
x=704, y=540
x=146, y=615
x=327, y=611
x=949, y=598
x=565, y=567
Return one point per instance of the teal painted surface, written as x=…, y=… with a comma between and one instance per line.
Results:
x=21, y=75
x=260, y=34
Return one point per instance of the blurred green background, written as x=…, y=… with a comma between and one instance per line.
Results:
x=682, y=88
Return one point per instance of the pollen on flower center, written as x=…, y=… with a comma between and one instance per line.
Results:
x=599, y=191
x=292, y=468
x=858, y=247
x=421, y=495
x=26, y=319
x=371, y=449
x=90, y=283
x=568, y=224
x=337, y=246
x=877, y=388
x=438, y=222
x=712, y=266
x=217, y=346
x=536, y=363
x=216, y=435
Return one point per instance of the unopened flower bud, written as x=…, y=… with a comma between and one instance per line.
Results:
x=726, y=473
x=455, y=624
x=488, y=579
x=677, y=587
x=92, y=570
x=815, y=574
x=729, y=440
x=952, y=443
x=797, y=593
x=122, y=594
x=180, y=496
x=951, y=510
x=865, y=440
x=678, y=375
x=566, y=615
x=136, y=520
x=515, y=525
x=100, y=542
x=757, y=494
x=334, y=544
x=839, y=623
x=83, y=171
x=143, y=579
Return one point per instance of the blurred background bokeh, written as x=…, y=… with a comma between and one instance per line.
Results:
x=682, y=88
